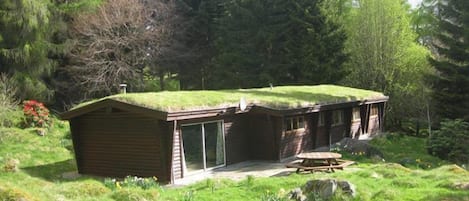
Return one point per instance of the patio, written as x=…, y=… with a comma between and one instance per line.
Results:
x=240, y=171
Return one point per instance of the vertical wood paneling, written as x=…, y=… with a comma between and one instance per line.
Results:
x=116, y=143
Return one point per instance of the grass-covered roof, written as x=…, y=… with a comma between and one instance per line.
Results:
x=279, y=97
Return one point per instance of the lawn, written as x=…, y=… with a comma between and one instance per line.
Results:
x=280, y=97
x=44, y=160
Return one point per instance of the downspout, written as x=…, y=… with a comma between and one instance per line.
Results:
x=172, y=150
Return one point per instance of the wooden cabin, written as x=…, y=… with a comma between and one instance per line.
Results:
x=171, y=135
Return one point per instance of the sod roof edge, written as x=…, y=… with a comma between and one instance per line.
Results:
x=278, y=98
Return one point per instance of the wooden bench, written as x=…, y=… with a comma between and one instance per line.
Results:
x=300, y=167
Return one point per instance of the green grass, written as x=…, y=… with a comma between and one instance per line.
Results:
x=281, y=97
x=43, y=160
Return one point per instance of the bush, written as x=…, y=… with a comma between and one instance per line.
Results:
x=450, y=142
x=8, y=102
x=133, y=182
x=36, y=114
x=134, y=194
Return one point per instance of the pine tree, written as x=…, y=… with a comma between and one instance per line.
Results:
x=24, y=45
x=451, y=87
x=276, y=41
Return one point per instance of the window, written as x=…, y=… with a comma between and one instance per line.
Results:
x=337, y=117
x=374, y=110
x=321, y=119
x=294, y=123
x=356, y=114
x=204, y=146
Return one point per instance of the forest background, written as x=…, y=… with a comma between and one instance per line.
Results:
x=63, y=52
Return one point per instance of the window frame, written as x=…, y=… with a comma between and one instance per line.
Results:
x=294, y=123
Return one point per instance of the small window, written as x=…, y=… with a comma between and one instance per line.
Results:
x=294, y=123
x=374, y=110
x=356, y=114
x=337, y=117
x=321, y=119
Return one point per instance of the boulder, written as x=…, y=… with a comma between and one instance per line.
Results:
x=323, y=189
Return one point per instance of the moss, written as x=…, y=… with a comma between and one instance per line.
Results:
x=282, y=97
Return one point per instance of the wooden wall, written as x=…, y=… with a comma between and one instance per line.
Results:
x=263, y=133
x=110, y=142
x=296, y=141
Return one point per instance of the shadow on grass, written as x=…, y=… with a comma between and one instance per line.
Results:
x=52, y=171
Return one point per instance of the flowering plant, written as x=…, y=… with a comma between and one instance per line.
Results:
x=36, y=114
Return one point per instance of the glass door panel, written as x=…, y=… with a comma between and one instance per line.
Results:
x=193, y=147
x=214, y=144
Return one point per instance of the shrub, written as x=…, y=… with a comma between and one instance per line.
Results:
x=8, y=102
x=134, y=194
x=129, y=181
x=36, y=114
x=450, y=141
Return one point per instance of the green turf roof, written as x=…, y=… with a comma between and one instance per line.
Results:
x=280, y=97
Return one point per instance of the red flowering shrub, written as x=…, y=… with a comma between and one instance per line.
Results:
x=36, y=114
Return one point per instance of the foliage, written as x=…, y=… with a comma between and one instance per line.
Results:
x=451, y=59
x=277, y=97
x=407, y=151
x=8, y=102
x=25, y=46
x=385, y=57
x=36, y=114
x=276, y=41
x=44, y=160
x=131, y=182
x=113, y=45
x=134, y=194
x=450, y=141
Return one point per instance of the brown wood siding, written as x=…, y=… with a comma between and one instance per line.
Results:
x=262, y=137
x=177, y=152
x=236, y=138
x=322, y=139
x=337, y=133
x=297, y=141
x=116, y=143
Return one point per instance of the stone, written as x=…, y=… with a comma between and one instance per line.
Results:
x=325, y=189
x=297, y=194
x=347, y=188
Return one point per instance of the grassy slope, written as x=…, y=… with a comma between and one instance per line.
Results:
x=278, y=98
x=44, y=159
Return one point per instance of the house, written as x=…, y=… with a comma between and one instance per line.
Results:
x=171, y=135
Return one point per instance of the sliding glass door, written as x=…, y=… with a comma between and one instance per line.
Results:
x=204, y=145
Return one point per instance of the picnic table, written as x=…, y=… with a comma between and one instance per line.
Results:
x=312, y=161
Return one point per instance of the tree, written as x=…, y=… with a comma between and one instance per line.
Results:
x=450, y=142
x=25, y=46
x=451, y=42
x=384, y=56
x=276, y=41
x=114, y=43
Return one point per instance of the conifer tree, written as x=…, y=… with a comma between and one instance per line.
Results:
x=276, y=41
x=451, y=41
x=24, y=45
